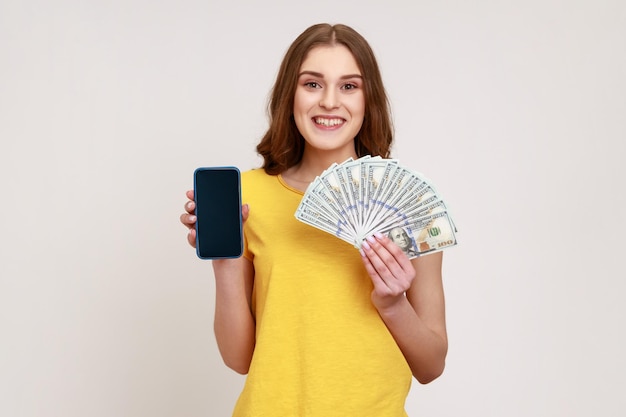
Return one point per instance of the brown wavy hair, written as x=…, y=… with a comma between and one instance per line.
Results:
x=282, y=145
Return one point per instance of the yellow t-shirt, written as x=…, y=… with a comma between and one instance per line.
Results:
x=321, y=349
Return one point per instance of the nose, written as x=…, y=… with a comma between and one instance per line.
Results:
x=329, y=100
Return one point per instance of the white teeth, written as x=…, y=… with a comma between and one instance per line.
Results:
x=328, y=122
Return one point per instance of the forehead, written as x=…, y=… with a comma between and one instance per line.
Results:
x=329, y=59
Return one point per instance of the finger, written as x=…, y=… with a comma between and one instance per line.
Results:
x=402, y=267
x=382, y=276
x=398, y=254
x=245, y=212
x=392, y=264
x=190, y=207
x=191, y=237
x=382, y=259
x=382, y=287
x=189, y=220
x=378, y=282
x=189, y=194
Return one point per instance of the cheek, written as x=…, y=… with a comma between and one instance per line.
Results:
x=300, y=114
x=304, y=100
x=296, y=102
x=358, y=106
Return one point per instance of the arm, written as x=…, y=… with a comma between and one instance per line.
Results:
x=234, y=324
x=408, y=295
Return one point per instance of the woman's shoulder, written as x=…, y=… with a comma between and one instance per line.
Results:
x=257, y=179
x=255, y=175
x=253, y=172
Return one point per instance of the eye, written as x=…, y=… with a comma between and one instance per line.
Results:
x=350, y=86
x=312, y=84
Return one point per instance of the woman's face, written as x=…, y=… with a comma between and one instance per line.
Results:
x=329, y=103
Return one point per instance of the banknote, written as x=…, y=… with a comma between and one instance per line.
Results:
x=359, y=197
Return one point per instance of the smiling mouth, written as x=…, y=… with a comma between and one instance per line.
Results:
x=327, y=122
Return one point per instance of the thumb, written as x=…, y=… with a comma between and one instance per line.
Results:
x=245, y=212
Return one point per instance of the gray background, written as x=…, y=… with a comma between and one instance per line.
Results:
x=514, y=109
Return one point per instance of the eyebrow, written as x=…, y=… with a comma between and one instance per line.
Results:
x=320, y=75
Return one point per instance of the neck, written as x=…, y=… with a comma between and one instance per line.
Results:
x=312, y=164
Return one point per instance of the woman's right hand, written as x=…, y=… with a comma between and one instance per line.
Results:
x=188, y=219
x=234, y=325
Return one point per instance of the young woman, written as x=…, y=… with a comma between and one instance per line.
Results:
x=320, y=328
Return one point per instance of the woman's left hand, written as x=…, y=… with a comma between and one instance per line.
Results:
x=390, y=269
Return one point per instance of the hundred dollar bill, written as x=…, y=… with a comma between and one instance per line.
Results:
x=339, y=178
x=325, y=191
x=312, y=218
x=333, y=220
x=410, y=201
x=427, y=235
x=415, y=185
x=352, y=170
x=400, y=178
x=423, y=212
x=378, y=175
x=313, y=203
x=438, y=234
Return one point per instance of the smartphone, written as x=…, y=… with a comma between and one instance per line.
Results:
x=219, y=231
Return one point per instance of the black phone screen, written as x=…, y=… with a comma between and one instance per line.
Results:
x=217, y=192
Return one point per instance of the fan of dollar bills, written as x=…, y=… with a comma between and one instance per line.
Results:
x=359, y=197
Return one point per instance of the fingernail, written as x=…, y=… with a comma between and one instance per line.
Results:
x=371, y=239
x=365, y=245
x=192, y=218
x=362, y=252
x=378, y=235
